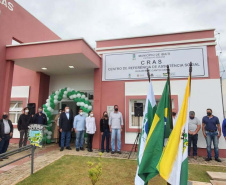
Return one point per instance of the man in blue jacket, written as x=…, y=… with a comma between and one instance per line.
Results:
x=224, y=128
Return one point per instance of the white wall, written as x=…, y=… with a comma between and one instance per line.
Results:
x=204, y=94
x=79, y=81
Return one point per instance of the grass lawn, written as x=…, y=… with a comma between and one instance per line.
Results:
x=73, y=170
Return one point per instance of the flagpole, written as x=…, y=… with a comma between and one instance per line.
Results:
x=168, y=72
x=149, y=77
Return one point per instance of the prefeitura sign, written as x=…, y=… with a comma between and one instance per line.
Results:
x=133, y=65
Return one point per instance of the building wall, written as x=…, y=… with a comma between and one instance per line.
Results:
x=19, y=25
x=115, y=92
x=79, y=82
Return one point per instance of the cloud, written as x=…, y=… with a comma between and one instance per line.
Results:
x=104, y=19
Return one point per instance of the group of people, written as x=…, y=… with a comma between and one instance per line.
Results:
x=111, y=124
x=80, y=124
x=211, y=130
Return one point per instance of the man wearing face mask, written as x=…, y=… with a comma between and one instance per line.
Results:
x=66, y=127
x=212, y=131
x=194, y=126
x=40, y=117
x=24, y=121
x=116, y=125
x=79, y=127
x=6, y=132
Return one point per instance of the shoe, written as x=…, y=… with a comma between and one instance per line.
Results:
x=102, y=151
x=119, y=152
x=195, y=157
x=61, y=149
x=112, y=152
x=5, y=158
x=208, y=159
x=107, y=151
x=81, y=148
x=77, y=149
x=68, y=148
x=218, y=160
x=90, y=150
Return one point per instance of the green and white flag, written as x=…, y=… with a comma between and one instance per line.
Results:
x=156, y=136
x=149, y=112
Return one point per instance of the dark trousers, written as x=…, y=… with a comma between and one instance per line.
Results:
x=23, y=138
x=66, y=134
x=59, y=138
x=4, y=143
x=106, y=135
x=192, y=139
x=90, y=141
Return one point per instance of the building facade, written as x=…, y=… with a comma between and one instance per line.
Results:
x=112, y=73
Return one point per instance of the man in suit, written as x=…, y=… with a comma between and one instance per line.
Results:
x=6, y=132
x=66, y=127
x=40, y=117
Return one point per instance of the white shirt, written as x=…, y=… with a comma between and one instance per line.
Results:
x=6, y=126
x=90, y=125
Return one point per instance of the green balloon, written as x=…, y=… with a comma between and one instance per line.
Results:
x=48, y=141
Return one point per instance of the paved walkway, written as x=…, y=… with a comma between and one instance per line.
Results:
x=18, y=171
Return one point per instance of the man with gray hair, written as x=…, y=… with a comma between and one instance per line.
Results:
x=194, y=126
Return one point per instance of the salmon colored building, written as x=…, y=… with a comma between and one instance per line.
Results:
x=35, y=62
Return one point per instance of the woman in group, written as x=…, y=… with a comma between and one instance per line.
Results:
x=90, y=130
x=105, y=132
x=56, y=128
x=24, y=121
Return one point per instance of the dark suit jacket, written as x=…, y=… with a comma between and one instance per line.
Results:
x=2, y=127
x=64, y=123
x=44, y=118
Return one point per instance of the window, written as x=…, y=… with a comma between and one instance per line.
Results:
x=135, y=122
x=15, y=110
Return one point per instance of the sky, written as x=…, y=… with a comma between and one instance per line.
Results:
x=104, y=19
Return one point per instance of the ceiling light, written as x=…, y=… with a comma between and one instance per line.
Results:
x=44, y=68
x=71, y=67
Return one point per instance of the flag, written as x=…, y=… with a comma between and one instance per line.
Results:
x=156, y=136
x=149, y=112
x=173, y=165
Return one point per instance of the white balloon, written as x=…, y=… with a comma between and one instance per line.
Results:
x=90, y=107
x=86, y=106
x=56, y=97
x=50, y=124
x=82, y=104
x=47, y=119
x=74, y=96
x=86, y=98
x=45, y=131
x=48, y=137
x=78, y=103
x=55, y=101
x=57, y=92
x=69, y=89
x=78, y=95
x=49, y=108
x=83, y=96
x=64, y=96
x=48, y=101
x=49, y=133
x=65, y=92
x=52, y=110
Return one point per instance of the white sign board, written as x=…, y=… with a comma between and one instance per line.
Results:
x=133, y=65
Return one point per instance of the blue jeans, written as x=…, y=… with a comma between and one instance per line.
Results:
x=192, y=139
x=79, y=139
x=66, y=134
x=212, y=136
x=4, y=143
x=118, y=133
x=106, y=134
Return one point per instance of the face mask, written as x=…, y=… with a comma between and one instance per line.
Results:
x=81, y=113
x=26, y=111
x=40, y=111
x=5, y=116
x=174, y=114
x=191, y=117
x=209, y=113
x=59, y=112
x=67, y=110
x=116, y=109
x=105, y=115
x=91, y=115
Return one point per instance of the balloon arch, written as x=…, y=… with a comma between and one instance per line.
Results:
x=79, y=97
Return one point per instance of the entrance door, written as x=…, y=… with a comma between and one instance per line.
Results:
x=71, y=104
